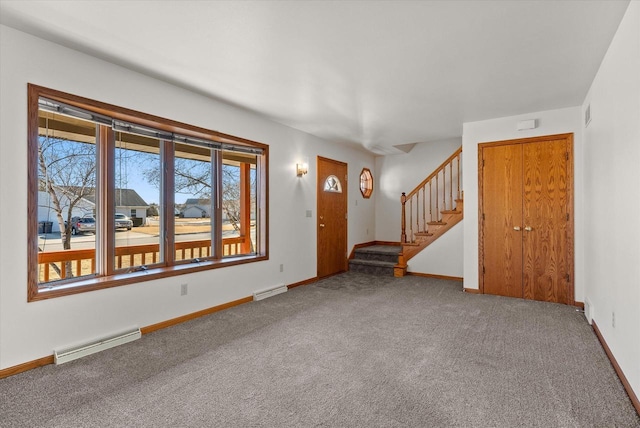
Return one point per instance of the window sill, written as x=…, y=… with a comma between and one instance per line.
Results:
x=50, y=291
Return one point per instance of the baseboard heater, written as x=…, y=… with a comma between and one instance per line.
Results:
x=70, y=354
x=268, y=292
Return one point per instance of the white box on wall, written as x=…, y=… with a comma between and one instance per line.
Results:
x=527, y=124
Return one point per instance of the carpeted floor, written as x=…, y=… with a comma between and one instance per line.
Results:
x=354, y=350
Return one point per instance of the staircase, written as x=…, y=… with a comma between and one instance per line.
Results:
x=428, y=212
x=375, y=259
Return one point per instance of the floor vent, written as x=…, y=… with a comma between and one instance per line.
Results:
x=268, y=292
x=70, y=354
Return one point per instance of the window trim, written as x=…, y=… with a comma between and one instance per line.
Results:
x=171, y=268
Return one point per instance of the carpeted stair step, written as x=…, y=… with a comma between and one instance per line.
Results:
x=383, y=253
x=374, y=267
x=375, y=259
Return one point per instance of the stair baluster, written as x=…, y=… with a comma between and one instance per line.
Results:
x=458, y=157
x=437, y=208
x=430, y=203
x=403, y=222
x=444, y=189
x=451, y=185
x=424, y=209
x=411, y=220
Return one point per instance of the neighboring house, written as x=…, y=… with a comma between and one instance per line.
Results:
x=46, y=212
x=196, y=208
x=199, y=208
x=128, y=202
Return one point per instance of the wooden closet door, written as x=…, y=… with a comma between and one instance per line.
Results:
x=502, y=220
x=546, y=216
x=526, y=218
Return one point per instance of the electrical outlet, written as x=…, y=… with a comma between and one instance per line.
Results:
x=184, y=289
x=613, y=319
x=281, y=267
x=367, y=231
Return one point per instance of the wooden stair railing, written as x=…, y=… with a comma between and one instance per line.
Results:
x=434, y=207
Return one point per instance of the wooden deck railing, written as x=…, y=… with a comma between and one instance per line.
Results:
x=438, y=192
x=83, y=262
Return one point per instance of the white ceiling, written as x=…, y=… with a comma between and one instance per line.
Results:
x=375, y=73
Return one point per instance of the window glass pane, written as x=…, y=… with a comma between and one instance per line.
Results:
x=193, y=172
x=239, y=192
x=66, y=197
x=137, y=200
x=332, y=184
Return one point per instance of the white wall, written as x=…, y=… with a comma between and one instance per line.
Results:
x=32, y=330
x=607, y=190
x=549, y=122
x=443, y=256
x=612, y=201
x=402, y=173
x=139, y=212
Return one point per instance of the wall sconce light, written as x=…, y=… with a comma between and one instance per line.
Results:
x=302, y=169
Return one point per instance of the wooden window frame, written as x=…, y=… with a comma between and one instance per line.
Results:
x=368, y=190
x=110, y=278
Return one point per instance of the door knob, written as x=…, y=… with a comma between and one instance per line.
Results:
x=321, y=224
x=528, y=228
x=516, y=227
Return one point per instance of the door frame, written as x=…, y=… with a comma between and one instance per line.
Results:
x=570, y=209
x=346, y=197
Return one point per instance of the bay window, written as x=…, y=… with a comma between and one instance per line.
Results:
x=117, y=196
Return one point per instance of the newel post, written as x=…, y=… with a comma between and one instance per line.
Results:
x=403, y=201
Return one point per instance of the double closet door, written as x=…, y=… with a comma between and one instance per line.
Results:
x=526, y=218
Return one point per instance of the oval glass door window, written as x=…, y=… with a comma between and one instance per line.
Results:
x=332, y=184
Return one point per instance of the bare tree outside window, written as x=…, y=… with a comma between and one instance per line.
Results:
x=193, y=178
x=67, y=173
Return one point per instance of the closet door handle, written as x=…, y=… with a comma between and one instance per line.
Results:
x=528, y=228
x=516, y=227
